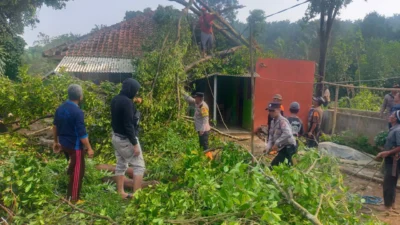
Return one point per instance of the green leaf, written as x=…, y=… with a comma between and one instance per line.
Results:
x=28, y=187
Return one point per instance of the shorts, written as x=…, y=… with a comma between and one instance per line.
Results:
x=124, y=154
x=207, y=41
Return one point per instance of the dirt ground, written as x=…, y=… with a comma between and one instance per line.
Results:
x=356, y=185
x=367, y=187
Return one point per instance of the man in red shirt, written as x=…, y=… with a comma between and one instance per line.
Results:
x=206, y=22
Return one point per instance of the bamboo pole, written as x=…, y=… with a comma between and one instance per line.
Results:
x=336, y=109
x=252, y=87
x=361, y=87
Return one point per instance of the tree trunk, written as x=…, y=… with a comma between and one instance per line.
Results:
x=322, y=66
x=324, y=35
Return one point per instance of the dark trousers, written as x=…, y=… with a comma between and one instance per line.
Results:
x=285, y=153
x=312, y=142
x=390, y=182
x=76, y=170
x=203, y=139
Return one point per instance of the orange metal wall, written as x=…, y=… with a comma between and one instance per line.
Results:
x=279, y=76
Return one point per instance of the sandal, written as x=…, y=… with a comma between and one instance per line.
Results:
x=128, y=197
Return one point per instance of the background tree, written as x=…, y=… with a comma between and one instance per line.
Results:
x=14, y=16
x=257, y=18
x=98, y=27
x=37, y=64
x=376, y=25
x=227, y=6
x=132, y=14
x=328, y=11
x=2, y=60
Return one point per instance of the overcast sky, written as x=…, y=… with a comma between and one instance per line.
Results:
x=80, y=16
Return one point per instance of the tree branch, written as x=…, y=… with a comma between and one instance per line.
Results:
x=319, y=205
x=184, y=12
x=30, y=123
x=288, y=196
x=218, y=131
x=159, y=64
x=312, y=166
x=88, y=213
x=218, y=54
x=39, y=131
x=8, y=211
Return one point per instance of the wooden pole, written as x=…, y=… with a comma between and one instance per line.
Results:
x=215, y=99
x=252, y=87
x=360, y=87
x=336, y=109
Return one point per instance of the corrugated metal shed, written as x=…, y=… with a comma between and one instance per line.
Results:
x=95, y=65
x=229, y=75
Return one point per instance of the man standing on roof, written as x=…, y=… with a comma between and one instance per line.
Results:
x=201, y=119
x=206, y=21
x=125, y=125
x=388, y=103
x=70, y=136
x=281, y=138
x=314, y=121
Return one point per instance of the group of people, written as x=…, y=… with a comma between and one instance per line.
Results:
x=284, y=131
x=71, y=138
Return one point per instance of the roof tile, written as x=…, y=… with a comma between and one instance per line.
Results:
x=122, y=40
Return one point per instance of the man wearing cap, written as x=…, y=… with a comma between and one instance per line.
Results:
x=314, y=122
x=206, y=23
x=294, y=120
x=201, y=117
x=388, y=103
x=280, y=136
x=276, y=99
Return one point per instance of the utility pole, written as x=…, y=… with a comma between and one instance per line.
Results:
x=252, y=86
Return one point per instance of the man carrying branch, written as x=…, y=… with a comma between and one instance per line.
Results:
x=281, y=138
x=201, y=119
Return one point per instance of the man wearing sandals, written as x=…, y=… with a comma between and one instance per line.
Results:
x=392, y=166
x=125, y=123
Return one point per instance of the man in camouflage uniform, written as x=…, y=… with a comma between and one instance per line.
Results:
x=281, y=138
x=201, y=117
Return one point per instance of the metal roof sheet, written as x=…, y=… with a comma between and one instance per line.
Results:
x=95, y=65
x=248, y=75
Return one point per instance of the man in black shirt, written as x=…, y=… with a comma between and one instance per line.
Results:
x=294, y=120
x=125, y=124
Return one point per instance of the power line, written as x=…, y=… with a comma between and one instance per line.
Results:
x=357, y=81
x=284, y=10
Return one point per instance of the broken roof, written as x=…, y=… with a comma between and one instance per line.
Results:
x=122, y=40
